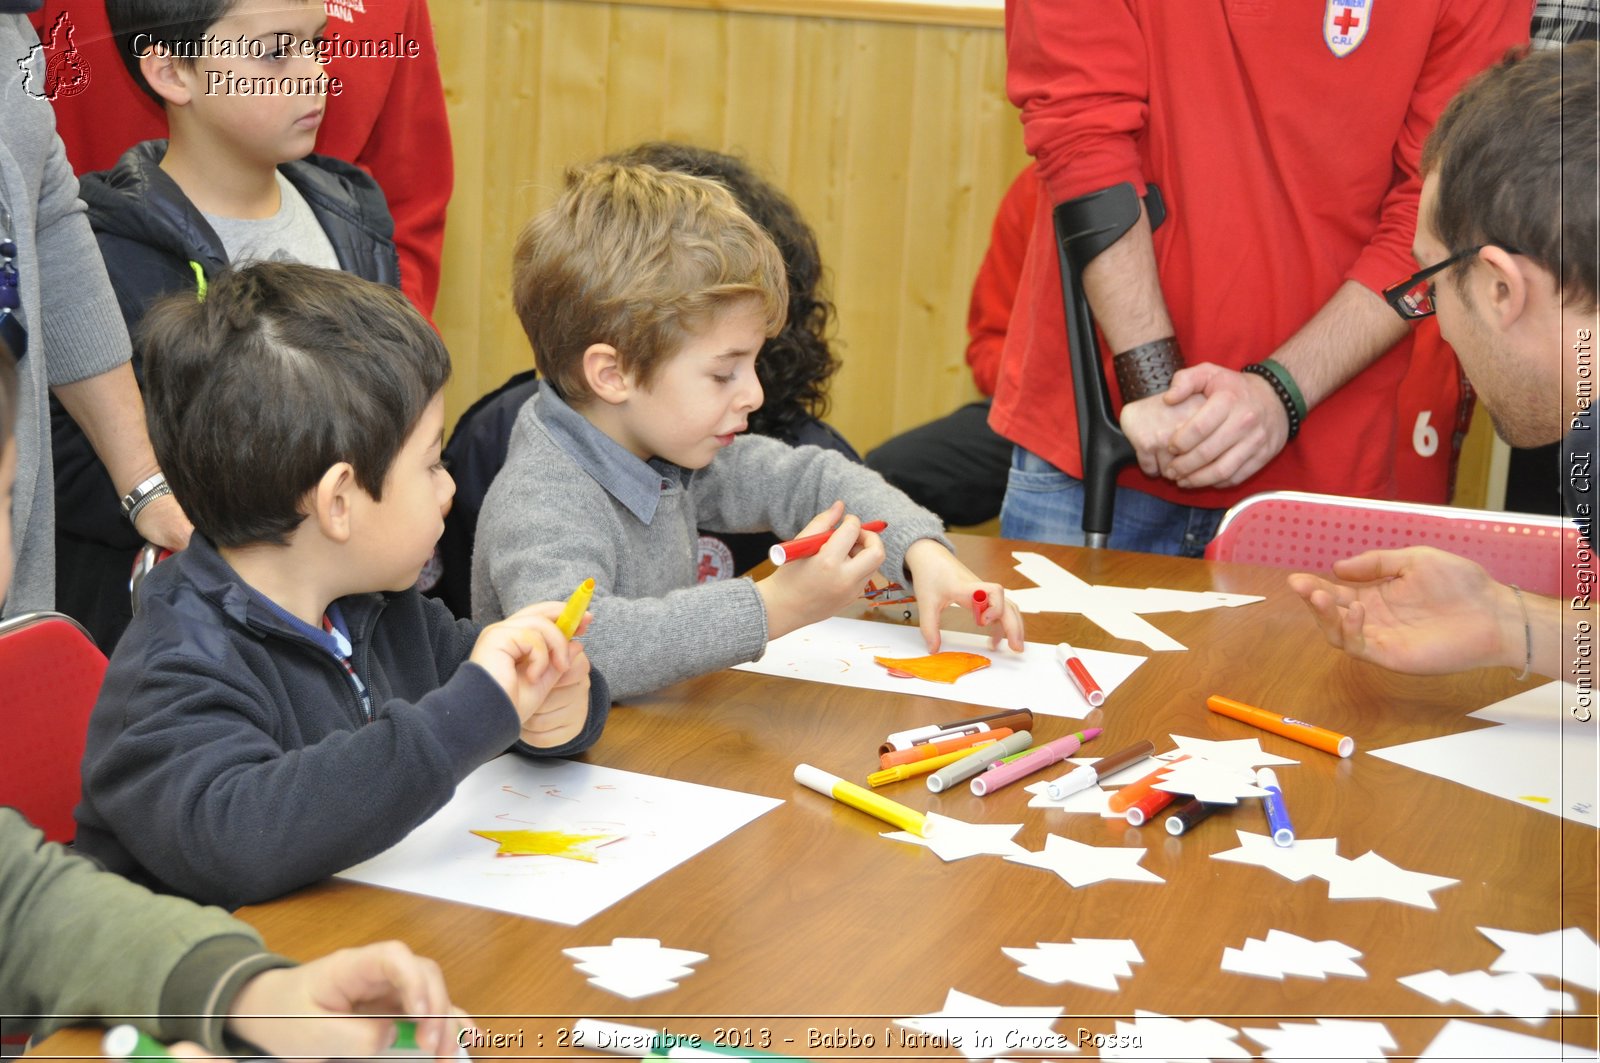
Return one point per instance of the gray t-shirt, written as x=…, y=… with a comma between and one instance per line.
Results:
x=290, y=235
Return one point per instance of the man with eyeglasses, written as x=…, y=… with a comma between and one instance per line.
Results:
x=1509, y=247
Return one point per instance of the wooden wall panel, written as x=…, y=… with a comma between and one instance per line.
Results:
x=895, y=140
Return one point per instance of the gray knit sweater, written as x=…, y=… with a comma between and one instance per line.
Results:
x=554, y=518
x=75, y=330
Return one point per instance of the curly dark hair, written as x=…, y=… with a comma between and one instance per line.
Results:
x=796, y=364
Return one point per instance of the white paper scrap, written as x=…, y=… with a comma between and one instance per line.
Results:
x=956, y=839
x=976, y=1028
x=1569, y=954
x=1115, y=609
x=1082, y=865
x=1347, y=1040
x=1471, y=1042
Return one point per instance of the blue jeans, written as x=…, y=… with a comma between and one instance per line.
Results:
x=1045, y=505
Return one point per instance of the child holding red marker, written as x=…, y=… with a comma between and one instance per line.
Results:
x=646, y=297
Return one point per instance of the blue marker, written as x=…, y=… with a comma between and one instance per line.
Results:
x=1277, y=811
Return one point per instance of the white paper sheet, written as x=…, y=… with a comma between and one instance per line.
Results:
x=663, y=823
x=1539, y=756
x=841, y=651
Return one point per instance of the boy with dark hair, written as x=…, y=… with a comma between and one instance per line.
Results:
x=647, y=297
x=286, y=704
x=76, y=941
x=235, y=182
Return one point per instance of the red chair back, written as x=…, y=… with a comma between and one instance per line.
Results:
x=50, y=673
x=1308, y=532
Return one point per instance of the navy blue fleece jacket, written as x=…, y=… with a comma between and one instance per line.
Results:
x=227, y=759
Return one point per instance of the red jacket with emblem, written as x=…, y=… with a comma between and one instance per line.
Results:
x=1286, y=171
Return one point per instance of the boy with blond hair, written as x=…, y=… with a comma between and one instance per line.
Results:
x=286, y=703
x=646, y=297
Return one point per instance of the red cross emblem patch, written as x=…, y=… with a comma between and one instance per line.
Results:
x=1344, y=25
x=714, y=560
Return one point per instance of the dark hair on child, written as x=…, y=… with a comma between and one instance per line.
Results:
x=277, y=373
x=796, y=364
x=8, y=394
x=175, y=25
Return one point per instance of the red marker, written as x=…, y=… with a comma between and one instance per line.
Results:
x=807, y=545
x=1080, y=675
x=980, y=602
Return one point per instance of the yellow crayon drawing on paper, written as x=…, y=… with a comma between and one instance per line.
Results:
x=547, y=843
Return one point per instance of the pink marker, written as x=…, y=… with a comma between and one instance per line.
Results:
x=1046, y=755
x=807, y=545
x=1080, y=675
x=980, y=602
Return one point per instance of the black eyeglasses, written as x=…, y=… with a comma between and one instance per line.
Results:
x=1412, y=298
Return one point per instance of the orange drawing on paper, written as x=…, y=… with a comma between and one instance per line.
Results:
x=548, y=843
x=944, y=667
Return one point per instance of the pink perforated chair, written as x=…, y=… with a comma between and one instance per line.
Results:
x=1309, y=532
x=50, y=673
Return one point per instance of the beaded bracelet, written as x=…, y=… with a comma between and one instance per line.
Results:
x=1279, y=388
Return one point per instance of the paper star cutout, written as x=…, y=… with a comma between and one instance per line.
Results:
x=1370, y=875
x=1175, y=1040
x=1343, y=1039
x=1282, y=953
x=548, y=843
x=1083, y=865
x=1242, y=753
x=1569, y=954
x=974, y=1027
x=1217, y=784
x=1094, y=962
x=1518, y=994
x=634, y=967
x=1307, y=856
x=1092, y=801
x=956, y=839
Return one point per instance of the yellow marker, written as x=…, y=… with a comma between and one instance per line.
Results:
x=1540, y=800
x=860, y=797
x=922, y=767
x=572, y=613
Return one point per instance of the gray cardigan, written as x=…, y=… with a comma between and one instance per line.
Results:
x=571, y=503
x=75, y=330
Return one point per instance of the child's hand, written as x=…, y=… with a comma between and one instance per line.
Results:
x=815, y=588
x=527, y=655
x=561, y=716
x=940, y=580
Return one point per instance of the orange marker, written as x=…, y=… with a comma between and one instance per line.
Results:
x=1148, y=805
x=1124, y=798
x=1302, y=732
x=934, y=749
x=923, y=767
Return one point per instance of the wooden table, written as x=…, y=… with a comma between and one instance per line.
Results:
x=814, y=923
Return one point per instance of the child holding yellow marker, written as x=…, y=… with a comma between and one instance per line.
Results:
x=286, y=703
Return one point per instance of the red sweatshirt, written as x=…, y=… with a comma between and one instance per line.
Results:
x=1286, y=171
x=388, y=118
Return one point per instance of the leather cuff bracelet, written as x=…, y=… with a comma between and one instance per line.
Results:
x=1147, y=369
x=1283, y=385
